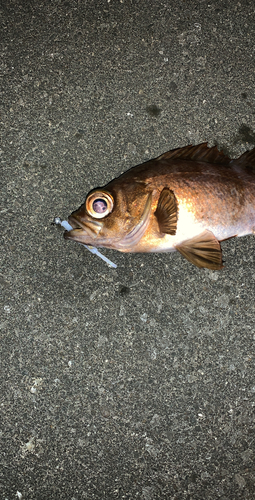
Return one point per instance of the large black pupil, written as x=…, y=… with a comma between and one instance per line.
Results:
x=99, y=206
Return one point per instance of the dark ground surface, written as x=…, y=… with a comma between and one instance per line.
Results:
x=136, y=382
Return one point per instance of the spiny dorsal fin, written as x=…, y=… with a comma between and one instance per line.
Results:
x=203, y=250
x=166, y=212
x=201, y=152
x=247, y=159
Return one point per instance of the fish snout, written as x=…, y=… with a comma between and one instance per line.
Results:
x=83, y=227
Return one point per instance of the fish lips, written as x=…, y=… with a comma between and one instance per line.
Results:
x=76, y=234
x=84, y=231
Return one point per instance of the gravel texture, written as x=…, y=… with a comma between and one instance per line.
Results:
x=134, y=383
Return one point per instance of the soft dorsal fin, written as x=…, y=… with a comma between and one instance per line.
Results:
x=203, y=250
x=166, y=212
x=201, y=152
x=247, y=159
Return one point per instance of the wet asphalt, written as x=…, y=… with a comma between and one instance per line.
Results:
x=136, y=382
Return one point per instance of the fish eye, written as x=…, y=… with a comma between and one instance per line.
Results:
x=99, y=204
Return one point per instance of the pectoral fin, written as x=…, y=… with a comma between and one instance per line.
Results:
x=203, y=250
x=166, y=212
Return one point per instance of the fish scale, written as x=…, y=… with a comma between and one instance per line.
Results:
x=188, y=199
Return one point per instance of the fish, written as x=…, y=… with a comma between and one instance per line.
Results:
x=188, y=200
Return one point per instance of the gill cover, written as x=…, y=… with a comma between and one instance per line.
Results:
x=134, y=236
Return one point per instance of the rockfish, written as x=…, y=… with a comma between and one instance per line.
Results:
x=189, y=199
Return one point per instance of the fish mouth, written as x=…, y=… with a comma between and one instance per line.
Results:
x=82, y=229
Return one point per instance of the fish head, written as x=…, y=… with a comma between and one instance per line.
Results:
x=115, y=216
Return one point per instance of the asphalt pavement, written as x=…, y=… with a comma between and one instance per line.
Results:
x=135, y=382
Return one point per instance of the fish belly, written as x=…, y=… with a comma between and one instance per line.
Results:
x=222, y=225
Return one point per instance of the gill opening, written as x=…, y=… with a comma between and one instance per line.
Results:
x=138, y=231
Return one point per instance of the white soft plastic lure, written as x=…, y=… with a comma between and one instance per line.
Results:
x=90, y=248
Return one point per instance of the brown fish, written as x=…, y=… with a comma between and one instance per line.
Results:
x=188, y=199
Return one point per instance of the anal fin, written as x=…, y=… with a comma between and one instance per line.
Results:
x=203, y=250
